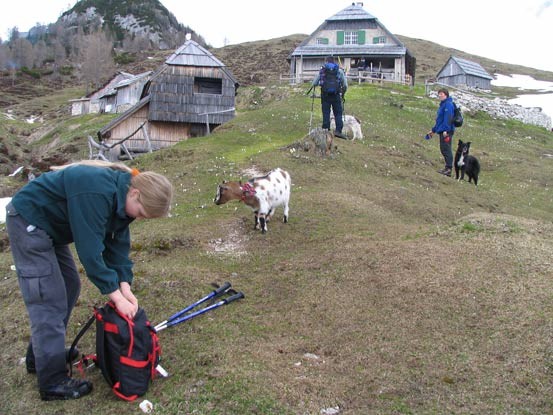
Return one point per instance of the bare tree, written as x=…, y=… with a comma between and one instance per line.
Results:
x=22, y=52
x=4, y=56
x=13, y=34
x=96, y=58
x=40, y=53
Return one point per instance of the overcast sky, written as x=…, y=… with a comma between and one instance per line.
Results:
x=515, y=32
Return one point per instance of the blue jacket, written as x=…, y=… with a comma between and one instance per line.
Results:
x=85, y=205
x=444, y=117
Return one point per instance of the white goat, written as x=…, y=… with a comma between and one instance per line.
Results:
x=262, y=194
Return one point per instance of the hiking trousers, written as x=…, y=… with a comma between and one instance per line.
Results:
x=334, y=102
x=446, y=149
x=50, y=285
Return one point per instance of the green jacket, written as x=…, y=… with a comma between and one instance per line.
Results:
x=85, y=205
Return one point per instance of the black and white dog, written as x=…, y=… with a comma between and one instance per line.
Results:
x=466, y=163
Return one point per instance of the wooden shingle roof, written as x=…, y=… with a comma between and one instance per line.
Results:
x=192, y=54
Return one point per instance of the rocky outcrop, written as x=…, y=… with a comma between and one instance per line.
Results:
x=500, y=108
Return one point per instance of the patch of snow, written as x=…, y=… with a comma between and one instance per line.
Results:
x=330, y=411
x=544, y=100
x=18, y=170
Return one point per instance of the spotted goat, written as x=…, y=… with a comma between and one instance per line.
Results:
x=262, y=194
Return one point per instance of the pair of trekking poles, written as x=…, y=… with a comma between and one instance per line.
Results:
x=188, y=312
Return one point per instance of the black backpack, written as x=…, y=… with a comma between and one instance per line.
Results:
x=127, y=351
x=328, y=79
x=457, y=116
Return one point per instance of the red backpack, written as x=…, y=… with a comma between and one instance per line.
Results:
x=127, y=351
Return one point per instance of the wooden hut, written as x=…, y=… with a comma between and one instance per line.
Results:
x=360, y=43
x=124, y=94
x=92, y=102
x=462, y=72
x=192, y=93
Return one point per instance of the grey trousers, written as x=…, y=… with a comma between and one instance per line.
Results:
x=50, y=285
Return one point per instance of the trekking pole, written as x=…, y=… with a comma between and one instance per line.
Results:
x=171, y=323
x=212, y=295
x=311, y=116
x=344, y=108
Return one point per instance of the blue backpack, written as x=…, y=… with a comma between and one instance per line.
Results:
x=328, y=79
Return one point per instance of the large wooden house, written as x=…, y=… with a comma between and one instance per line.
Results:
x=192, y=93
x=360, y=43
x=462, y=72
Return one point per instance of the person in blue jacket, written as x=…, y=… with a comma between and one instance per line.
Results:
x=334, y=84
x=445, y=129
x=92, y=204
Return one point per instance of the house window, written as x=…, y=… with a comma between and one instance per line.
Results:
x=350, y=38
x=208, y=86
x=322, y=41
x=379, y=39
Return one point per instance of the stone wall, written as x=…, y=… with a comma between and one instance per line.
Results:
x=499, y=108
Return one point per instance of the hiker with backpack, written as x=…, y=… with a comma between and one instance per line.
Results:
x=92, y=204
x=445, y=128
x=334, y=84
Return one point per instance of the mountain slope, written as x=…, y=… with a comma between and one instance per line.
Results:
x=431, y=57
x=148, y=18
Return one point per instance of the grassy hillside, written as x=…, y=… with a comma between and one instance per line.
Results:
x=393, y=289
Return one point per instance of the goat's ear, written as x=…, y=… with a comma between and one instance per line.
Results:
x=224, y=182
x=240, y=183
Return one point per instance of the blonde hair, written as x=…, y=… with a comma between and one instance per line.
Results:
x=156, y=191
x=95, y=163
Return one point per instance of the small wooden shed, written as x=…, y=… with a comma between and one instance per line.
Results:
x=462, y=72
x=91, y=103
x=124, y=94
x=192, y=93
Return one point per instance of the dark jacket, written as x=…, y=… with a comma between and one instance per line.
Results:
x=444, y=117
x=85, y=205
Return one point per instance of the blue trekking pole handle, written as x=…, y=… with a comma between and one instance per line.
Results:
x=213, y=294
x=172, y=323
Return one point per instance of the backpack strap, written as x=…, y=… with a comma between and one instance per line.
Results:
x=79, y=335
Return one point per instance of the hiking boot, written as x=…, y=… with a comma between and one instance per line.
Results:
x=340, y=135
x=445, y=172
x=68, y=388
x=30, y=358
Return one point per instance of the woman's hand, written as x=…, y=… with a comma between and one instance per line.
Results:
x=127, y=293
x=123, y=305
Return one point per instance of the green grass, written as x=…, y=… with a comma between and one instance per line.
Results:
x=416, y=293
